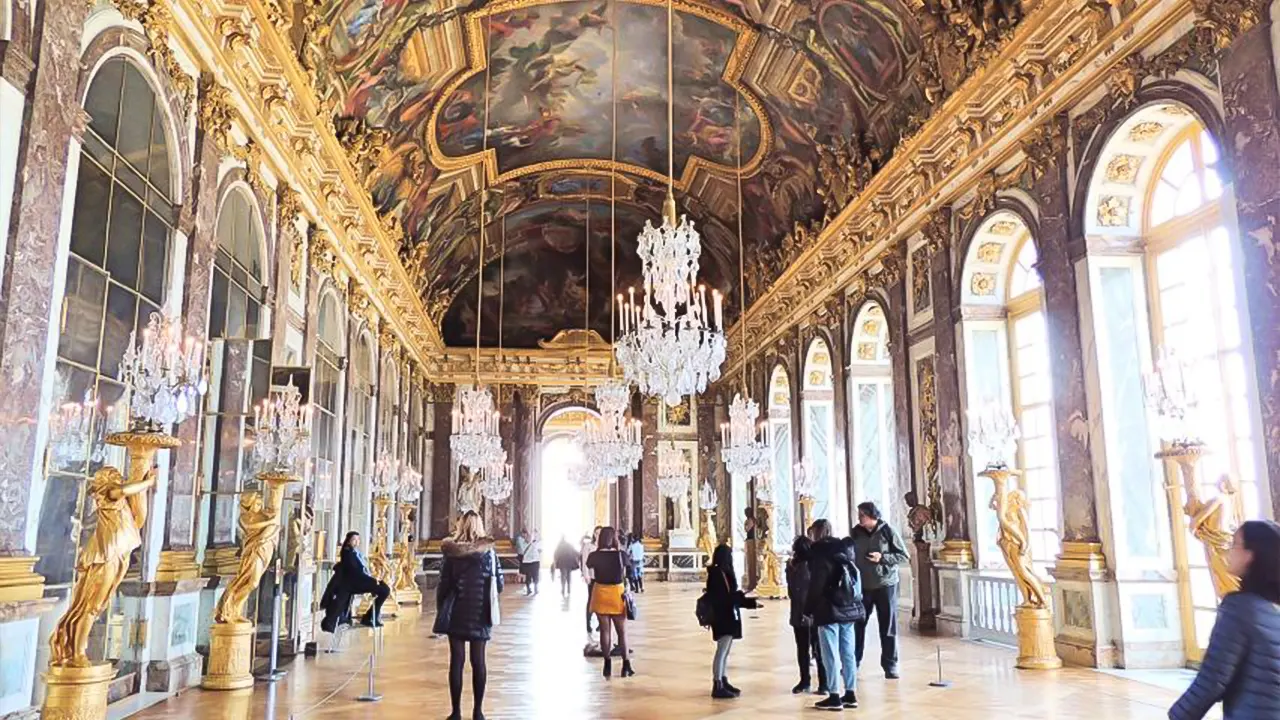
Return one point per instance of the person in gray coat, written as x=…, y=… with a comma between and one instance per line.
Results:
x=879, y=551
x=1241, y=667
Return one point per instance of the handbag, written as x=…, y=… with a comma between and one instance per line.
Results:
x=495, y=615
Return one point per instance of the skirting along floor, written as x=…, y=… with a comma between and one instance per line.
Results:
x=536, y=670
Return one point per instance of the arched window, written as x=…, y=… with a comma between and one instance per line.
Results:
x=871, y=410
x=236, y=305
x=1006, y=360
x=326, y=389
x=1193, y=296
x=121, y=231
x=819, y=457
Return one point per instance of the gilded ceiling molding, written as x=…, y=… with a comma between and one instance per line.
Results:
x=361, y=305
x=288, y=208
x=157, y=22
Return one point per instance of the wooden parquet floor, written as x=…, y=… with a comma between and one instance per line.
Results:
x=536, y=671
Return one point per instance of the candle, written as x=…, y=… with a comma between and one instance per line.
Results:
x=719, y=302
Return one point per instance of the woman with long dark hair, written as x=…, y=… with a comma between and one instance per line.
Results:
x=466, y=606
x=1241, y=667
x=726, y=602
x=806, y=633
x=608, y=598
x=350, y=578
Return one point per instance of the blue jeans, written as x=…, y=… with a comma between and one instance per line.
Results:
x=836, y=644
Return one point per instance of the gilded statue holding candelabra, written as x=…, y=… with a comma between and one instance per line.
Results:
x=993, y=435
x=771, y=583
x=707, y=501
x=406, y=589
x=103, y=561
x=1212, y=522
x=259, y=535
x=163, y=378
x=380, y=565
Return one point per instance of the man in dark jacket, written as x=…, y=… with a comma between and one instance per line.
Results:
x=879, y=551
x=834, y=601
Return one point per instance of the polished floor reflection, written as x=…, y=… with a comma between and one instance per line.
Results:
x=536, y=670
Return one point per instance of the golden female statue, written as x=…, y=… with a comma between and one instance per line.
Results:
x=1011, y=512
x=707, y=538
x=103, y=561
x=1212, y=524
x=259, y=535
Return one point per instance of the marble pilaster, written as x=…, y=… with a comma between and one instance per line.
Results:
x=650, y=503
x=526, y=457
x=441, y=466
x=950, y=449
x=31, y=268
x=1249, y=92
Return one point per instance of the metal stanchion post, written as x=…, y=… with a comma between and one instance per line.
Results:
x=940, y=682
x=274, y=672
x=373, y=695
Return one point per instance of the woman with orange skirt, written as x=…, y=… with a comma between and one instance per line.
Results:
x=608, y=598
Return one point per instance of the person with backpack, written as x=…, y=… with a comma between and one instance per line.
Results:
x=720, y=609
x=834, y=601
x=801, y=624
x=879, y=550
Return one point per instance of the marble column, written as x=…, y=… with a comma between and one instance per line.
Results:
x=441, y=463
x=651, y=504
x=1247, y=73
x=30, y=286
x=955, y=500
x=526, y=457
x=502, y=512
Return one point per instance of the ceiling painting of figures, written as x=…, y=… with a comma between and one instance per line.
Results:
x=406, y=82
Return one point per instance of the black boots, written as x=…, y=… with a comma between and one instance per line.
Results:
x=627, y=670
x=833, y=702
x=608, y=666
x=732, y=690
x=371, y=619
x=720, y=692
x=801, y=687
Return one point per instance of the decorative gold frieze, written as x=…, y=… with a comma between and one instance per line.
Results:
x=1123, y=168
x=1145, y=132
x=1113, y=211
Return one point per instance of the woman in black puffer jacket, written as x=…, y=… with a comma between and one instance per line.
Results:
x=465, y=606
x=806, y=633
x=726, y=602
x=350, y=578
x=1242, y=664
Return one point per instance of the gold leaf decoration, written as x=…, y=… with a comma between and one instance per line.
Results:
x=1113, y=211
x=1123, y=168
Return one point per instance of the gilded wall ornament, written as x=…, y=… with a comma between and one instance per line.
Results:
x=1145, y=132
x=1123, y=168
x=921, y=284
x=1045, y=148
x=1113, y=211
x=1225, y=20
x=289, y=206
x=323, y=259
x=989, y=252
x=927, y=387
x=983, y=284
x=215, y=114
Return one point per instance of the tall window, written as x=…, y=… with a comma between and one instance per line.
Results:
x=780, y=442
x=325, y=391
x=819, y=434
x=1032, y=392
x=360, y=421
x=1195, y=314
x=119, y=260
x=871, y=410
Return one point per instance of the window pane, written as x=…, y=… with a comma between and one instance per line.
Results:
x=85, y=294
x=1163, y=203
x=1189, y=197
x=1180, y=164
x=155, y=245
x=121, y=309
x=134, y=143
x=89, y=223
x=236, y=309
x=103, y=100
x=1212, y=184
x=218, y=306
x=125, y=238
x=1208, y=148
x=158, y=165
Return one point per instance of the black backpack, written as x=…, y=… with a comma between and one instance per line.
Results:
x=844, y=586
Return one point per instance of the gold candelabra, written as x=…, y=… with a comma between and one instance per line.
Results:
x=1036, y=650
x=771, y=583
x=407, y=592
x=707, y=536
x=380, y=565
x=77, y=687
x=231, y=635
x=806, y=513
x=1211, y=522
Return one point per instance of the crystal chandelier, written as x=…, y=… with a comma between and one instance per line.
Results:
x=282, y=433
x=583, y=477
x=611, y=444
x=75, y=428
x=475, y=441
x=386, y=474
x=674, y=473
x=764, y=487
x=496, y=483
x=672, y=345
x=1172, y=398
x=745, y=452
x=410, y=484
x=707, y=497
x=164, y=374
x=806, y=478
x=993, y=434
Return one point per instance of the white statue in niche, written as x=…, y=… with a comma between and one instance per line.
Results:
x=683, y=521
x=469, y=497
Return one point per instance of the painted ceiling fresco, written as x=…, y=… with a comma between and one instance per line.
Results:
x=406, y=81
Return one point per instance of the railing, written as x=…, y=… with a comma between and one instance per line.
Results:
x=992, y=601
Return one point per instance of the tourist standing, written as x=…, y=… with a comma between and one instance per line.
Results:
x=834, y=601
x=588, y=546
x=531, y=563
x=466, y=606
x=726, y=601
x=636, y=549
x=878, y=551
x=350, y=578
x=608, y=597
x=750, y=573
x=1241, y=667
x=565, y=562
x=806, y=634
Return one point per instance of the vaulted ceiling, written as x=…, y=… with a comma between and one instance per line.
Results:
x=406, y=81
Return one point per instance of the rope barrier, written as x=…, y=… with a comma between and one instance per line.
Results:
x=340, y=688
